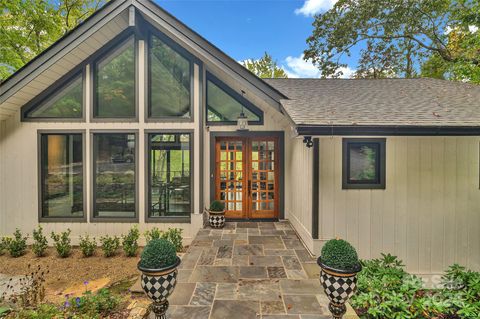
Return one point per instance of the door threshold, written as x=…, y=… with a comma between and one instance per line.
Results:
x=249, y=220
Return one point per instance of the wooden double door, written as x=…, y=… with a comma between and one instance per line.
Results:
x=246, y=176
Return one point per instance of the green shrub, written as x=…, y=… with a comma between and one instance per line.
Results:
x=92, y=305
x=130, y=242
x=4, y=244
x=87, y=246
x=40, y=243
x=43, y=311
x=153, y=233
x=17, y=245
x=109, y=245
x=62, y=243
x=158, y=253
x=339, y=254
x=217, y=206
x=174, y=235
x=386, y=291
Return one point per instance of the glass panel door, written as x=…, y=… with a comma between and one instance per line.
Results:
x=230, y=176
x=263, y=178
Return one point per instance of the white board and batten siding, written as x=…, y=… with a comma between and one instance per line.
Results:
x=428, y=215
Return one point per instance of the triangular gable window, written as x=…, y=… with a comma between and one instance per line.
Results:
x=224, y=105
x=61, y=102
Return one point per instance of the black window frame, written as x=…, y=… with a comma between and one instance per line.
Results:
x=236, y=96
x=148, y=199
x=40, y=149
x=380, y=169
x=148, y=83
x=102, y=54
x=93, y=172
x=51, y=92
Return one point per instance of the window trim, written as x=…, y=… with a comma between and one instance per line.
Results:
x=346, y=163
x=41, y=218
x=53, y=90
x=103, y=53
x=148, y=76
x=233, y=94
x=166, y=219
x=93, y=169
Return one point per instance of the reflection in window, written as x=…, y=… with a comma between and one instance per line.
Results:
x=66, y=103
x=169, y=81
x=169, y=175
x=61, y=175
x=114, y=188
x=223, y=107
x=115, y=83
x=364, y=163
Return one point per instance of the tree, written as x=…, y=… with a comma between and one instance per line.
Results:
x=410, y=32
x=27, y=27
x=265, y=67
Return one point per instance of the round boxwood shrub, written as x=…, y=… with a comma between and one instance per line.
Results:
x=217, y=206
x=339, y=254
x=157, y=254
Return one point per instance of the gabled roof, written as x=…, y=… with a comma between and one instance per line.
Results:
x=111, y=19
x=385, y=102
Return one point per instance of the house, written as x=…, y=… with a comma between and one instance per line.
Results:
x=131, y=118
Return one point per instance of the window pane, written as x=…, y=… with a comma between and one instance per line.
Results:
x=62, y=175
x=363, y=162
x=224, y=108
x=67, y=103
x=169, y=81
x=116, y=83
x=115, y=175
x=170, y=177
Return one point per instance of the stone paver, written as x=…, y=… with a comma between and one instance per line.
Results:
x=249, y=270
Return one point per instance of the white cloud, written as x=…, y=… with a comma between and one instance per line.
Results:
x=312, y=7
x=472, y=28
x=297, y=67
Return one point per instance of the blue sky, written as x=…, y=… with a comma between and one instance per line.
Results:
x=245, y=29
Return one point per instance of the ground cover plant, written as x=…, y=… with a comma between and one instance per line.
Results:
x=386, y=290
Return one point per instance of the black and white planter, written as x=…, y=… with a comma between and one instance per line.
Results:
x=158, y=285
x=216, y=219
x=339, y=286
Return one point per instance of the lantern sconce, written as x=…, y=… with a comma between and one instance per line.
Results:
x=242, y=120
x=307, y=140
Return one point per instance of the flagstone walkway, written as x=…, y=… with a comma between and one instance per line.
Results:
x=248, y=270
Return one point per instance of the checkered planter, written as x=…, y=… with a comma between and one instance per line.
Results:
x=158, y=285
x=216, y=219
x=339, y=286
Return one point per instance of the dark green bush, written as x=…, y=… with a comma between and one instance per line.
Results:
x=339, y=254
x=110, y=245
x=217, y=206
x=17, y=246
x=158, y=253
x=87, y=246
x=40, y=243
x=62, y=243
x=130, y=242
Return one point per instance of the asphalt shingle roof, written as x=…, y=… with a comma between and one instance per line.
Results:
x=402, y=102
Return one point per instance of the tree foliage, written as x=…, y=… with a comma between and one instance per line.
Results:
x=27, y=27
x=399, y=36
x=265, y=67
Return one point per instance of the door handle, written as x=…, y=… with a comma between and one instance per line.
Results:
x=249, y=188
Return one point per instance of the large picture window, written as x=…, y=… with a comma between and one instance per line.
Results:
x=115, y=83
x=61, y=176
x=364, y=163
x=169, y=81
x=115, y=175
x=169, y=175
x=224, y=105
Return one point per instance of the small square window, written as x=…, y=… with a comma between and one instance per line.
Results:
x=363, y=164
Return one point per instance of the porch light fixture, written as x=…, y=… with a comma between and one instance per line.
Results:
x=307, y=140
x=242, y=120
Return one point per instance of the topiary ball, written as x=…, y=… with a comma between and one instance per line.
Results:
x=157, y=254
x=339, y=254
x=217, y=206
